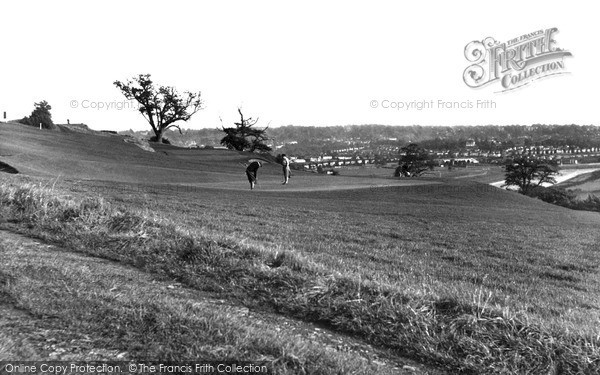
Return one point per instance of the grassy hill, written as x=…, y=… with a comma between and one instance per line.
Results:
x=584, y=185
x=107, y=157
x=455, y=274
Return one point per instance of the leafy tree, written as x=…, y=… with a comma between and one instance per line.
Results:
x=161, y=106
x=380, y=160
x=528, y=173
x=414, y=161
x=244, y=137
x=40, y=114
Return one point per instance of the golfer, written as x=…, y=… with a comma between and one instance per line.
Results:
x=286, y=168
x=251, y=172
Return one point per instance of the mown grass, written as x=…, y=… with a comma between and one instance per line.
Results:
x=484, y=173
x=417, y=292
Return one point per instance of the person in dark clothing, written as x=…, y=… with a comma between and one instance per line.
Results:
x=251, y=172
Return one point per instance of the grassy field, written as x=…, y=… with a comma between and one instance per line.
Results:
x=484, y=173
x=77, y=308
x=451, y=272
x=584, y=184
x=441, y=241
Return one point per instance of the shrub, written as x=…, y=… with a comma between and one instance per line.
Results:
x=565, y=198
x=552, y=195
x=591, y=203
x=40, y=115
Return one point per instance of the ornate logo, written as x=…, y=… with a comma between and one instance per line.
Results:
x=515, y=63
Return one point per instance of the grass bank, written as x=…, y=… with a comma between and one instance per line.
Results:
x=462, y=335
x=77, y=308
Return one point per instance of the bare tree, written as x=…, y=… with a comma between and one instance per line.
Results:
x=244, y=137
x=161, y=106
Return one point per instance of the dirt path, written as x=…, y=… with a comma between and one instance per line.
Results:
x=26, y=337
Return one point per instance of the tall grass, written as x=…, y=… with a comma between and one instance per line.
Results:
x=461, y=337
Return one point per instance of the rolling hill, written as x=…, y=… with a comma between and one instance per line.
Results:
x=452, y=273
x=99, y=156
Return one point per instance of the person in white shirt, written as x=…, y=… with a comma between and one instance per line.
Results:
x=286, y=168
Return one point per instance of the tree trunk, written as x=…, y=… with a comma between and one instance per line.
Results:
x=159, y=136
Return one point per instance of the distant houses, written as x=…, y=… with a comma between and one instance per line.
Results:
x=471, y=152
x=542, y=152
x=460, y=160
x=312, y=163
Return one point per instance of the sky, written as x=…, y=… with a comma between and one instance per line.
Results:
x=310, y=63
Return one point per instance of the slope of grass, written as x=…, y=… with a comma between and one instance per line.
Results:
x=437, y=275
x=584, y=185
x=472, y=278
x=539, y=258
x=83, y=308
x=106, y=157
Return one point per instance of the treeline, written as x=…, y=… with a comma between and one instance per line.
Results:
x=453, y=136
x=431, y=137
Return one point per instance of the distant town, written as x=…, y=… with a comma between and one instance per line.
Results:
x=381, y=155
x=324, y=149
